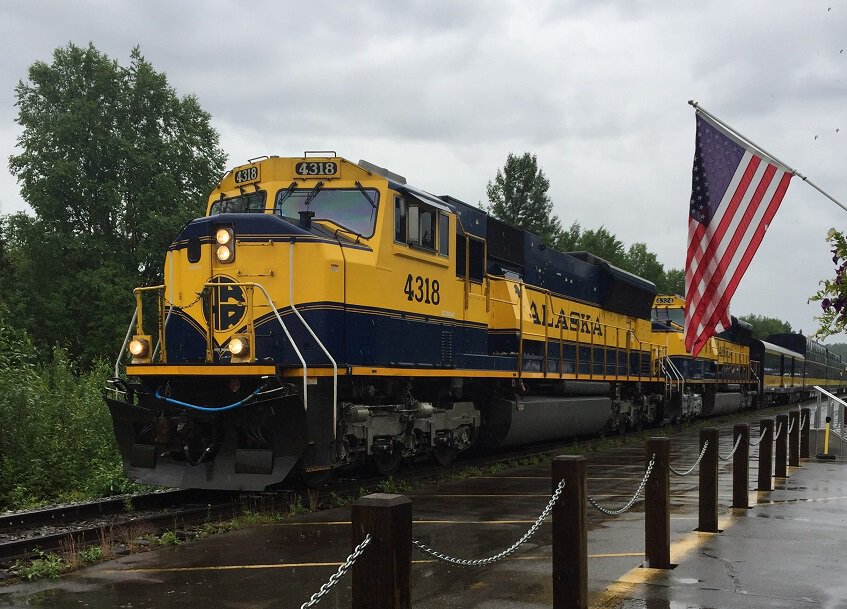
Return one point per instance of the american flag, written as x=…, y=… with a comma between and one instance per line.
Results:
x=735, y=192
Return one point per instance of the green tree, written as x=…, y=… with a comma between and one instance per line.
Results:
x=113, y=162
x=833, y=292
x=604, y=244
x=672, y=282
x=765, y=326
x=518, y=196
x=642, y=262
x=840, y=349
x=5, y=269
x=568, y=239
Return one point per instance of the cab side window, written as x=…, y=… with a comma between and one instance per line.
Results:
x=400, y=220
x=420, y=226
x=444, y=234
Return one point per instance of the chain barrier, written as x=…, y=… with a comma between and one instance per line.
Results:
x=632, y=501
x=335, y=577
x=790, y=426
x=462, y=562
x=734, y=448
x=759, y=441
x=778, y=431
x=696, y=463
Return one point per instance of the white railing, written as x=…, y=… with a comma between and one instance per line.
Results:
x=835, y=414
x=674, y=376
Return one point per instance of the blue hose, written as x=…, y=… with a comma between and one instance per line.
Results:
x=204, y=408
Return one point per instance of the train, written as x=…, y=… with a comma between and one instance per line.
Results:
x=325, y=314
x=793, y=364
x=744, y=372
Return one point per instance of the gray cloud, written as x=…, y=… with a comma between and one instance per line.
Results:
x=441, y=91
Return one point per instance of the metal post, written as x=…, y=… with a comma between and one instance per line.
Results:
x=709, y=481
x=741, y=467
x=781, y=455
x=765, y=455
x=806, y=420
x=794, y=439
x=657, y=506
x=570, y=535
x=381, y=575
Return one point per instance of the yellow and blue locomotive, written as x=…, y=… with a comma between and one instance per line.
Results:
x=721, y=379
x=324, y=312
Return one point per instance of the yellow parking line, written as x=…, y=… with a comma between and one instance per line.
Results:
x=312, y=565
x=622, y=589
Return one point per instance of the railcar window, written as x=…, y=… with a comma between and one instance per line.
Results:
x=352, y=209
x=248, y=202
x=773, y=364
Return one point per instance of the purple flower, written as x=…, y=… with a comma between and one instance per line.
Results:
x=825, y=303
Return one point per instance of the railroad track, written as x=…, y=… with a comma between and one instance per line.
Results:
x=24, y=534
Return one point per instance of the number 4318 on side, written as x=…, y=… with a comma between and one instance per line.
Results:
x=422, y=289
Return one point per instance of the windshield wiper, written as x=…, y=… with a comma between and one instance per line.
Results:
x=313, y=193
x=280, y=198
x=365, y=193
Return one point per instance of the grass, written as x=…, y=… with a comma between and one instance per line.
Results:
x=43, y=566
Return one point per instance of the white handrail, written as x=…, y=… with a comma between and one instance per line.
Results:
x=677, y=374
x=290, y=340
x=829, y=395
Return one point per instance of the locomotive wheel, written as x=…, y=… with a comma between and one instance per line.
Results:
x=444, y=455
x=386, y=462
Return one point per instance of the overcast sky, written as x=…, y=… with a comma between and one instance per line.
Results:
x=441, y=92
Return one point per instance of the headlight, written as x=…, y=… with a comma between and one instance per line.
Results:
x=225, y=238
x=224, y=253
x=239, y=347
x=139, y=348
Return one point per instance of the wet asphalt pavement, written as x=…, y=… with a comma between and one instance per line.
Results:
x=787, y=551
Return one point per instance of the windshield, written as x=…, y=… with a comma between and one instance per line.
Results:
x=664, y=315
x=353, y=209
x=253, y=202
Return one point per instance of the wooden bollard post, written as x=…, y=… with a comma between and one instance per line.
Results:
x=805, y=425
x=709, y=481
x=381, y=574
x=657, y=505
x=794, y=439
x=765, y=455
x=570, y=535
x=741, y=466
x=781, y=452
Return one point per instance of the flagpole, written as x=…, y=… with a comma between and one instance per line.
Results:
x=737, y=134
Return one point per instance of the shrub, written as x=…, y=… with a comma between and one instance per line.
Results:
x=56, y=440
